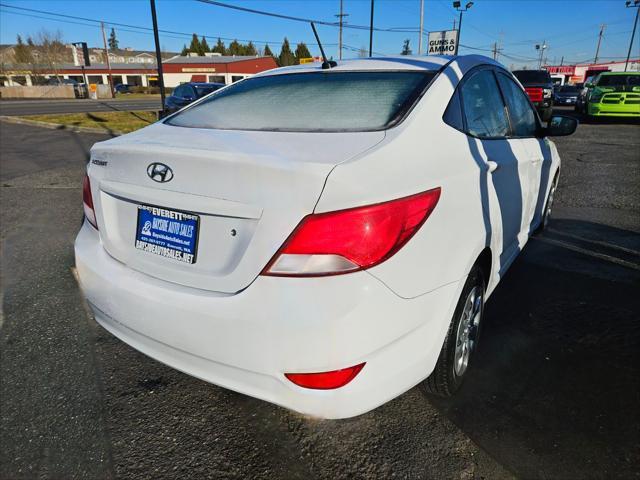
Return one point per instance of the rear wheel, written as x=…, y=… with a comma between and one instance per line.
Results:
x=546, y=213
x=461, y=342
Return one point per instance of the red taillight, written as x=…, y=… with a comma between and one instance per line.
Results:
x=87, y=202
x=325, y=380
x=535, y=93
x=354, y=239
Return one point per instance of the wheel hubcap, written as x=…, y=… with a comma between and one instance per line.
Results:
x=467, y=334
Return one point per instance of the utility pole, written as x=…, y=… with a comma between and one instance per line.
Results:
x=562, y=60
x=602, y=27
x=542, y=49
x=371, y=31
x=421, y=27
x=340, y=16
x=496, y=50
x=636, y=5
x=106, y=51
x=158, y=54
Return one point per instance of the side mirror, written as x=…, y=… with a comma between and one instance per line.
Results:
x=560, y=125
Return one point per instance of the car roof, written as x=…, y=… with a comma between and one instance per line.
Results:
x=392, y=63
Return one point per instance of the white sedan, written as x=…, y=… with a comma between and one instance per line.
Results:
x=323, y=239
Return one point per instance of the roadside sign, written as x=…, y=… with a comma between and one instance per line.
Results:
x=443, y=42
x=307, y=60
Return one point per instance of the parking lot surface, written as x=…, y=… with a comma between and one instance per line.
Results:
x=554, y=395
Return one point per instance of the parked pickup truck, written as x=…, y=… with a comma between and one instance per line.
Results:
x=614, y=94
x=539, y=87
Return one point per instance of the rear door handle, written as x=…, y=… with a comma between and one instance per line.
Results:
x=536, y=160
x=493, y=166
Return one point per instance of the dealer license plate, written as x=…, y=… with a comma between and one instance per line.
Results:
x=168, y=233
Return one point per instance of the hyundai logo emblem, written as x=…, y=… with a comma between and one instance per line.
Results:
x=159, y=172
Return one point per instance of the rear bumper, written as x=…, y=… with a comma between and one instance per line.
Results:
x=247, y=341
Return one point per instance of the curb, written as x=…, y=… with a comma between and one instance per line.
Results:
x=58, y=126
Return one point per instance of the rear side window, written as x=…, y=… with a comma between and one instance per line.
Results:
x=523, y=119
x=483, y=108
x=317, y=101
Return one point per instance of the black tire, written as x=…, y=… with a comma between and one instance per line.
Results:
x=548, y=205
x=445, y=380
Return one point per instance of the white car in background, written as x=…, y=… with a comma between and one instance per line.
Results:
x=323, y=239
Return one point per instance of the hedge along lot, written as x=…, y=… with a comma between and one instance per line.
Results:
x=108, y=121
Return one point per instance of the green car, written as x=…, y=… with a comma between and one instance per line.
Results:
x=614, y=94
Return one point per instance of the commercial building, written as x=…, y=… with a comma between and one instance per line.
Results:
x=580, y=72
x=177, y=70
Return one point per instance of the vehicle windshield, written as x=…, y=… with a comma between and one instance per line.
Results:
x=316, y=101
x=619, y=80
x=569, y=89
x=532, y=76
x=202, y=90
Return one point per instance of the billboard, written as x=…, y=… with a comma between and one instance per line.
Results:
x=443, y=42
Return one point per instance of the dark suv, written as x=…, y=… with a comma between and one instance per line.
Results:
x=539, y=87
x=187, y=93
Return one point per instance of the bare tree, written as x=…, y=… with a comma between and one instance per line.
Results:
x=51, y=52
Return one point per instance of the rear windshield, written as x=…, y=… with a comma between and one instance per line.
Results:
x=532, y=76
x=317, y=101
x=619, y=80
x=569, y=89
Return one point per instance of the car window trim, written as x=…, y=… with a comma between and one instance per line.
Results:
x=401, y=115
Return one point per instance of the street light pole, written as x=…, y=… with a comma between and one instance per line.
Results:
x=457, y=6
x=636, y=5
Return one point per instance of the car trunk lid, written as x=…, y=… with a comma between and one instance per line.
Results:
x=248, y=189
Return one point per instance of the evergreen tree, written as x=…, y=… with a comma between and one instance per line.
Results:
x=30, y=41
x=235, y=48
x=194, y=46
x=219, y=48
x=302, y=52
x=204, y=45
x=406, y=50
x=267, y=51
x=185, y=51
x=286, y=56
x=113, y=41
x=250, y=49
x=21, y=52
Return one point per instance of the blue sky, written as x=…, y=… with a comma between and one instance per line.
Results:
x=570, y=28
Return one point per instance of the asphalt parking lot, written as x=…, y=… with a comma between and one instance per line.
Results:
x=555, y=393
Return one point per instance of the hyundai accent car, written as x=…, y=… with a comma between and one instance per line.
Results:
x=322, y=239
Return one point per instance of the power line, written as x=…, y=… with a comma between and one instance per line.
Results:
x=305, y=20
x=125, y=25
